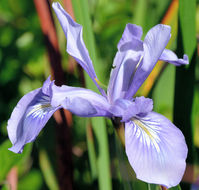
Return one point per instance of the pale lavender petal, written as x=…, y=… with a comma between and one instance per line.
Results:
x=29, y=117
x=47, y=86
x=130, y=49
x=131, y=32
x=154, y=44
x=75, y=44
x=119, y=107
x=80, y=101
x=171, y=57
x=122, y=73
x=139, y=107
x=156, y=149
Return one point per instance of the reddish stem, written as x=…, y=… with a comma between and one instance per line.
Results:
x=12, y=178
x=69, y=8
x=63, y=118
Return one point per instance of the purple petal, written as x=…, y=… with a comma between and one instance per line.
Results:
x=119, y=107
x=47, y=86
x=139, y=107
x=127, y=109
x=156, y=149
x=171, y=57
x=122, y=73
x=154, y=44
x=131, y=32
x=80, y=101
x=130, y=50
x=75, y=44
x=29, y=117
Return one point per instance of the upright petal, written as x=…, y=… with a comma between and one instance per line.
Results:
x=75, y=44
x=29, y=117
x=154, y=44
x=171, y=57
x=130, y=49
x=80, y=101
x=131, y=32
x=124, y=67
x=156, y=149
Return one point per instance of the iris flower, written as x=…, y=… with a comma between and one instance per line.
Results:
x=155, y=147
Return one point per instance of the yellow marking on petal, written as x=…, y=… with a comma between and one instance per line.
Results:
x=142, y=126
x=139, y=62
x=100, y=84
x=136, y=67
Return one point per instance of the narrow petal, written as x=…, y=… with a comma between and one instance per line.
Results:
x=29, y=117
x=156, y=149
x=131, y=32
x=75, y=44
x=154, y=44
x=171, y=57
x=80, y=101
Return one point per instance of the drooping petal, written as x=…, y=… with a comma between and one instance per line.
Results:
x=75, y=44
x=80, y=101
x=156, y=149
x=29, y=117
x=171, y=57
x=131, y=33
x=154, y=44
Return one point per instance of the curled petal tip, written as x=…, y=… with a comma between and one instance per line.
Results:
x=186, y=59
x=75, y=43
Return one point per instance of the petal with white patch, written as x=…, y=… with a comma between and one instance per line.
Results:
x=156, y=149
x=29, y=117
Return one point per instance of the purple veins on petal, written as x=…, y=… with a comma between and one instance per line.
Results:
x=156, y=149
x=29, y=117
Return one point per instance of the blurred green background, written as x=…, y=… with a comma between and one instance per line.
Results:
x=24, y=65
